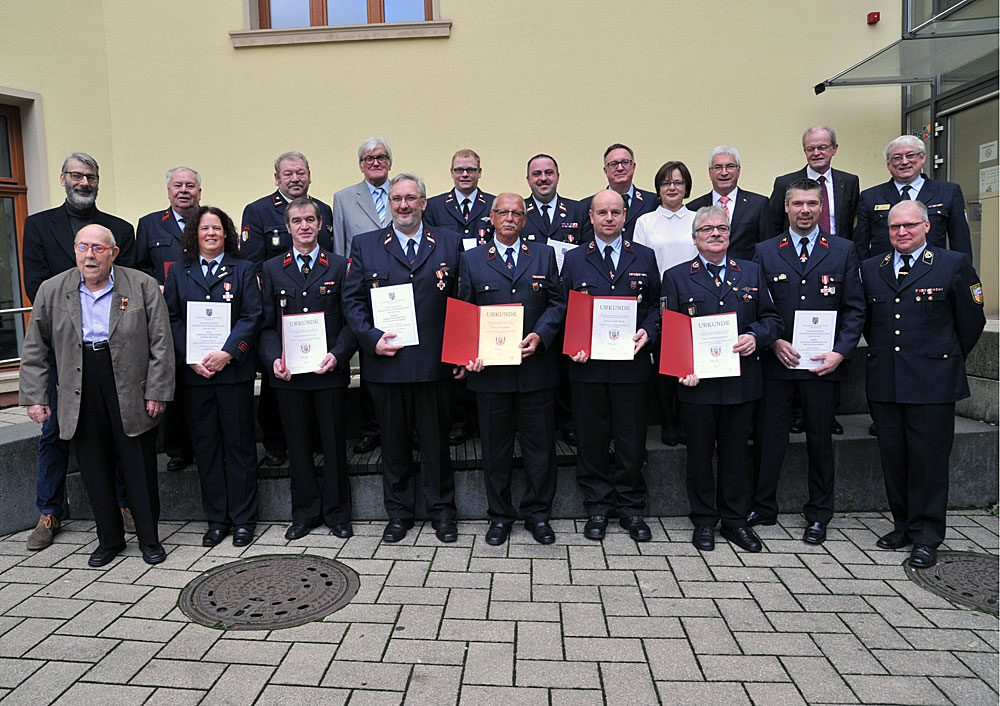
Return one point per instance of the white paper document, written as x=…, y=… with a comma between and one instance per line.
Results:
x=393, y=310
x=500, y=334
x=303, y=342
x=713, y=338
x=812, y=334
x=561, y=249
x=613, y=328
x=469, y=243
x=207, y=328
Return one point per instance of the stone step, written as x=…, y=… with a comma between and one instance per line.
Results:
x=974, y=481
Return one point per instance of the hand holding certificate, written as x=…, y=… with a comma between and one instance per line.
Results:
x=812, y=336
x=303, y=342
x=207, y=327
x=393, y=311
x=700, y=345
x=604, y=328
x=490, y=333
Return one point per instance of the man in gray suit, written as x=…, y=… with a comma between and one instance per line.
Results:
x=363, y=207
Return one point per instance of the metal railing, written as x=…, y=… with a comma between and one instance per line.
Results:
x=6, y=312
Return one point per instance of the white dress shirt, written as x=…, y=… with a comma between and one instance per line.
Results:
x=668, y=234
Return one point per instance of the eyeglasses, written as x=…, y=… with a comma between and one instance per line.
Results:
x=706, y=230
x=464, y=170
x=96, y=247
x=910, y=156
x=370, y=159
x=506, y=213
x=817, y=148
x=675, y=184
x=724, y=167
x=624, y=163
x=409, y=198
x=80, y=176
x=895, y=227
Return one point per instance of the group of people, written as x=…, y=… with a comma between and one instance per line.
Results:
x=893, y=262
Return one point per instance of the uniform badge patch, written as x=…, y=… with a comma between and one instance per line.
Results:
x=977, y=292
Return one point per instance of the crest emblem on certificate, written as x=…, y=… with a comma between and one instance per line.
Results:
x=716, y=351
x=208, y=312
x=815, y=320
x=501, y=340
x=305, y=347
x=613, y=334
x=392, y=296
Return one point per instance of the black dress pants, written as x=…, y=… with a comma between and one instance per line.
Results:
x=271, y=428
x=724, y=428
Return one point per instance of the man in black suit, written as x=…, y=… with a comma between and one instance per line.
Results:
x=925, y=314
x=549, y=216
x=804, y=269
x=904, y=158
x=619, y=168
x=840, y=189
x=47, y=250
x=749, y=218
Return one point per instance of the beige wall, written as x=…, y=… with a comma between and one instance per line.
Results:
x=144, y=86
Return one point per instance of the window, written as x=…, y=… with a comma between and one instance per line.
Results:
x=13, y=211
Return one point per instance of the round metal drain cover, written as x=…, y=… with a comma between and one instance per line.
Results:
x=966, y=578
x=269, y=592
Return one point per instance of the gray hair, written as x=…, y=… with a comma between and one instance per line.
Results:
x=905, y=141
x=282, y=157
x=920, y=207
x=105, y=231
x=815, y=128
x=370, y=144
x=81, y=157
x=706, y=212
x=724, y=149
x=171, y=172
x=405, y=176
x=493, y=203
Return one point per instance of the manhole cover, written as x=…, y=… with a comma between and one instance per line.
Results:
x=966, y=578
x=269, y=592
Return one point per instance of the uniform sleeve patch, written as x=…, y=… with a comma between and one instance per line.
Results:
x=977, y=292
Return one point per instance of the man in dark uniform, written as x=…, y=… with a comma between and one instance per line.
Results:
x=804, y=270
x=925, y=314
x=609, y=396
x=748, y=214
x=47, y=250
x=263, y=235
x=157, y=240
x=517, y=398
x=307, y=279
x=904, y=158
x=466, y=208
x=408, y=383
x=717, y=411
x=619, y=168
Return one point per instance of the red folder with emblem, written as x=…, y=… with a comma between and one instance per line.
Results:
x=579, y=323
x=472, y=332
x=676, y=347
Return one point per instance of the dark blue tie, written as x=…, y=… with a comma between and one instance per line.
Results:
x=509, y=258
x=411, y=250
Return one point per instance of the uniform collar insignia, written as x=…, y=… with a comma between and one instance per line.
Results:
x=733, y=265
x=323, y=259
x=561, y=206
x=823, y=241
x=430, y=238
x=695, y=265
x=886, y=260
x=166, y=215
x=492, y=253
x=524, y=248
x=450, y=197
x=592, y=247
x=388, y=238
x=288, y=259
x=626, y=246
x=637, y=194
x=928, y=256
x=529, y=205
x=784, y=241
x=278, y=199
x=480, y=198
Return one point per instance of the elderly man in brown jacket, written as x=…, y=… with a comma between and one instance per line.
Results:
x=109, y=331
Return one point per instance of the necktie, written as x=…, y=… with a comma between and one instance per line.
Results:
x=209, y=266
x=803, y=249
x=411, y=250
x=716, y=271
x=904, y=193
x=465, y=208
x=608, y=261
x=545, y=216
x=180, y=224
x=509, y=258
x=627, y=201
x=824, y=211
x=723, y=200
x=904, y=269
x=305, y=265
x=380, y=205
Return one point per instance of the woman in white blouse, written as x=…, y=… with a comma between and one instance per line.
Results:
x=667, y=230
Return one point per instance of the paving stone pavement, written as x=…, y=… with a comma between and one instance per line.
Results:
x=575, y=623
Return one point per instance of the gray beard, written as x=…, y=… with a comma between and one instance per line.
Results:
x=81, y=201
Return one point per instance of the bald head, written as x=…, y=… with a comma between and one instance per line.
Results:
x=95, y=251
x=607, y=214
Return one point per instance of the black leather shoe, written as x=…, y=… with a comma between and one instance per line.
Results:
x=153, y=553
x=569, y=436
x=497, y=533
x=176, y=463
x=457, y=436
x=873, y=430
x=815, y=533
x=703, y=538
x=797, y=426
x=637, y=529
x=396, y=530
x=897, y=539
x=342, y=530
x=838, y=428
x=446, y=530
x=367, y=444
x=298, y=530
x=755, y=518
x=103, y=557
x=742, y=537
x=596, y=526
x=541, y=531
x=213, y=537
x=669, y=440
x=242, y=536
x=275, y=458
x=923, y=556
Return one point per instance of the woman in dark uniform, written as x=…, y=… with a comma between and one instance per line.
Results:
x=218, y=384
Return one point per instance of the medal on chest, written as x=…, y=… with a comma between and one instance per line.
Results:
x=827, y=289
x=228, y=286
x=440, y=276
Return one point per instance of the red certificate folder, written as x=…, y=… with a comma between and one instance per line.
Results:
x=676, y=347
x=580, y=322
x=461, y=332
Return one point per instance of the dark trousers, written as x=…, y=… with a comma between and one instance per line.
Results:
x=724, y=428
x=220, y=420
x=818, y=399
x=369, y=419
x=601, y=411
x=271, y=429
x=914, y=441
x=665, y=391
x=564, y=398
x=102, y=447
x=531, y=416
x=176, y=439
x=332, y=503
x=402, y=408
x=463, y=407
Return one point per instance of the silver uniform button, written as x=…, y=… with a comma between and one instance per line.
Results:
x=208, y=296
x=305, y=308
x=803, y=281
